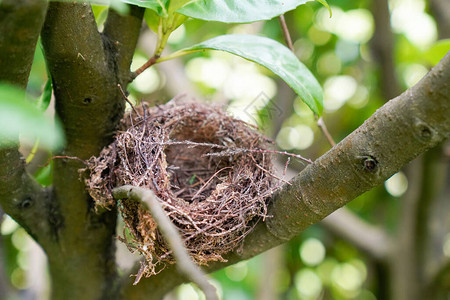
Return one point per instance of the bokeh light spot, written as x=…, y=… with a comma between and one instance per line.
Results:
x=299, y=137
x=329, y=64
x=348, y=278
x=337, y=90
x=187, y=292
x=8, y=225
x=312, y=252
x=308, y=284
x=446, y=246
x=413, y=73
x=397, y=184
x=317, y=36
x=20, y=239
x=237, y=272
x=409, y=17
x=353, y=25
x=18, y=279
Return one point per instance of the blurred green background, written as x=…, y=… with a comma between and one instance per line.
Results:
x=362, y=56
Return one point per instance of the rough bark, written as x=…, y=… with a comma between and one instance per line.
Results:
x=403, y=128
x=20, y=196
x=17, y=50
x=86, y=68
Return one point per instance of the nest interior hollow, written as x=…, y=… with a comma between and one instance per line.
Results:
x=210, y=172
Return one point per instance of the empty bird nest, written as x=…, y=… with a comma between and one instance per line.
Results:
x=211, y=173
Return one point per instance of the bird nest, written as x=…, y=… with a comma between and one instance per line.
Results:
x=210, y=172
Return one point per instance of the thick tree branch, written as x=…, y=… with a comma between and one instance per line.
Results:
x=84, y=84
x=85, y=70
x=20, y=196
x=184, y=263
x=403, y=128
x=122, y=33
x=17, y=50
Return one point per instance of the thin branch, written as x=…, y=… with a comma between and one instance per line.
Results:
x=17, y=52
x=153, y=60
x=288, y=40
x=408, y=125
x=170, y=233
x=126, y=99
x=325, y=131
x=286, y=34
x=122, y=33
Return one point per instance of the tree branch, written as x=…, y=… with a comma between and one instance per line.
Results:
x=403, y=128
x=84, y=84
x=184, y=263
x=286, y=34
x=20, y=196
x=17, y=50
x=122, y=33
x=85, y=75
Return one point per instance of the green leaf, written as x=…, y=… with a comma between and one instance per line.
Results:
x=238, y=11
x=44, y=100
x=18, y=115
x=152, y=19
x=325, y=3
x=275, y=57
x=176, y=4
x=159, y=6
x=437, y=51
x=44, y=176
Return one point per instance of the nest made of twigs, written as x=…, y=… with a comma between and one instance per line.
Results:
x=209, y=170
